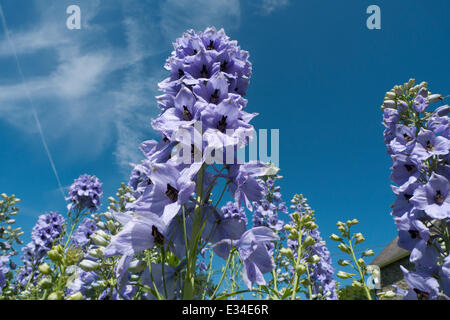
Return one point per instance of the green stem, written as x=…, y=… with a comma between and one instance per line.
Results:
x=363, y=282
x=163, y=252
x=309, y=283
x=189, y=282
x=223, y=273
x=299, y=255
x=209, y=273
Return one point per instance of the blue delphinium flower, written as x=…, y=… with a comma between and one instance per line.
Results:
x=81, y=236
x=253, y=252
x=46, y=233
x=47, y=230
x=85, y=193
x=321, y=272
x=267, y=210
x=138, y=234
x=4, y=269
x=418, y=141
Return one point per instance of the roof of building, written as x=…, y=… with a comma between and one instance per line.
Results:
x=390, y=254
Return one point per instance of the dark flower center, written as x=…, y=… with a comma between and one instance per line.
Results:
x=157, y=236
x=165, y=139
x=223, y=66
x=195, y=52
x=409, y=167
x=422, y=295
x=180, y=73
x=439, y=198
x=429, y=146
x=210, y=46
x=407, y=138
x=407, y=196
x=172, y=193
x=222, y=125
x=215, y=97
x=414, y=234
x=204, y=72
x=186, y=114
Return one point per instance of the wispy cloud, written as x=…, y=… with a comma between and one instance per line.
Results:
x=269, y=6
x=99, y=91
x=179, y=15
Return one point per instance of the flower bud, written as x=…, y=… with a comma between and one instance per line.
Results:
x=344, y=248
x=361, y=262
x=75, y=296
x=388, y=294
x=54, y=256
x=359, y=238
x=344, y=262
x=344, y=275
x=89, y=265
x=99, y=240
x=300, y=269
x=111, y=226
x=368, y=253
x=59, y=248
x=45, y=283
x=103, y=234
x=45, y=269
x=352, y=222
x=309, y=241
x=101, y=225
x=286, y=252
x=356, y=284
x=97, y=253
x=410, y=84
x=335, y=237
x=442, y=110
x=137, y=266
x=389, y=104
x=434, y=98
x=390, y=95
x=55, y=296
x=314, y=259
x=310, y=225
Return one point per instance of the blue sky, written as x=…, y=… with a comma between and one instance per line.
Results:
x=319, y=75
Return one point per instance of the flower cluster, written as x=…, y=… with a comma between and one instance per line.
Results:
x=47, y=230
x=82, y=236
x=85, y=193
x=308, y=252
x=417, y=140
x=4, y=269
x=348, y=243
x=202, y=123
x=267, y=209
x=46, y=233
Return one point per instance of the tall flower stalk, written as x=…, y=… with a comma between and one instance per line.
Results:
x=417, y=138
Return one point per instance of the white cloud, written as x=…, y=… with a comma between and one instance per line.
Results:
x=268, y=6
x=99, y=93
x=179, y=15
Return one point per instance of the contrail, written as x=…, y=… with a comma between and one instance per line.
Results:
x=27, y=92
